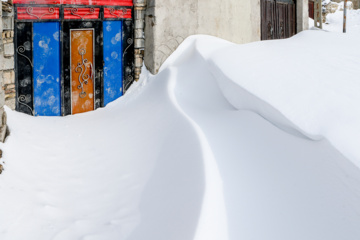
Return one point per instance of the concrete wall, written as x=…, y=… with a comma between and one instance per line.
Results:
x=168, y=23
x=302, y=7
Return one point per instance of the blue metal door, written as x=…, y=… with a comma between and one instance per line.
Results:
x=46, y=71
x=113, y=60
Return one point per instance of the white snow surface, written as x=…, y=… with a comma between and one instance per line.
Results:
x=228, y=142
x=334, y=21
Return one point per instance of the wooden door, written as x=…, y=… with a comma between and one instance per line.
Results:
x=311, y=9
x=82, y=62
x=278, y=19
x=268, y=19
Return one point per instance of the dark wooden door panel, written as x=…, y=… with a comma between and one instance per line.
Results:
x=278, y=19
x=283, y=20
x=292, y=13
x=267, y=19
x=311, y=9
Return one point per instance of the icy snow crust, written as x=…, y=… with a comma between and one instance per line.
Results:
x=226, y=142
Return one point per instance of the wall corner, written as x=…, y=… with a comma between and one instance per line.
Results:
x=302, y=13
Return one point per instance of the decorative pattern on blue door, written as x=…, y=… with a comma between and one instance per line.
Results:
x=113, y=57
x=46, y=71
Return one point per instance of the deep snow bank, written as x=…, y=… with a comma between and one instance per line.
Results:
x=174, y=160
x=299, y=84
x=334, y=21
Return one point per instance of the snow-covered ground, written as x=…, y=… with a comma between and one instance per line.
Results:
x=228, y=142
x=334, y=21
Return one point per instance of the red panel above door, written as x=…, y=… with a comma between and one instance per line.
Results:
x=79, y=2
x=117, y=13
x=37, y=13
x=81, y=13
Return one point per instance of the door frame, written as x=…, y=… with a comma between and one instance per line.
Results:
x=69, y=26
x=275, y=18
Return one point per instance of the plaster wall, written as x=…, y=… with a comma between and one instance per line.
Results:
x=236, y=21
x=302, y=11
x=168, y=23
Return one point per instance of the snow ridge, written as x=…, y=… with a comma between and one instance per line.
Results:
x=276, y=79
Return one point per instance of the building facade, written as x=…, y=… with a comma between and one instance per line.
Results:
x=122, y=34
x=72, y=56
x=168, y=23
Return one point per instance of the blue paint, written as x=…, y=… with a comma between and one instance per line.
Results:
x=46, y=74
x=113, y=87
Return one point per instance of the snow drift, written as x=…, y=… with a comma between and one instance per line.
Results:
x=228, y=141
x=299, y=85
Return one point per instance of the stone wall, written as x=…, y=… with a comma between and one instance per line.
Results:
x=6, y=63
x=139, y=16
x=7, y=73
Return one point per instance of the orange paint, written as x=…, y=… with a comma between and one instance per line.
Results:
x=82, y=67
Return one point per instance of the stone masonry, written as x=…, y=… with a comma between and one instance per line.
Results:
x=6, y=63
x=139, y=16
x=7, y=73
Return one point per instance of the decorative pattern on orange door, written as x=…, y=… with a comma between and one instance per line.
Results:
x=82, y=70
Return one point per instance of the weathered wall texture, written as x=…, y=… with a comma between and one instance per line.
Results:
x=168, y=23
x=7, y=74
x=302, y=7
x=236, y=21
x=6, y=64
x=139, y=15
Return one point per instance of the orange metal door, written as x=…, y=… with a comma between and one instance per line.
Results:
x=82, y=70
